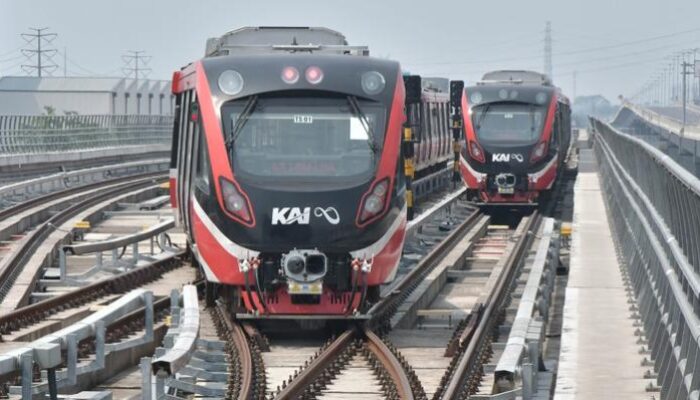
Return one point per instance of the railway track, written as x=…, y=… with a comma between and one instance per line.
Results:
x=421, y=341
x=26, y=316
x=428, y=338
x=20, y=252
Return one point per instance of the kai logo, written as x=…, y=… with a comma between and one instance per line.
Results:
x=302, y=216
x=505, y=157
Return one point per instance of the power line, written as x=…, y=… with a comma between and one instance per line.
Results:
x=44, y=61
x=16, y=49
x=132, y=60
x=562, y=53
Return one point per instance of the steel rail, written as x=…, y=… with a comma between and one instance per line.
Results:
x=25, y=205
x=11, y=266
x=297, y=386
x=24, y=316
x=238, y=338
x=389, y=362
x=380, y=311
x=469, y=356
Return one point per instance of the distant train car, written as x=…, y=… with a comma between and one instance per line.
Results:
x=287, y=172
x=517, y=127
x=428, y=113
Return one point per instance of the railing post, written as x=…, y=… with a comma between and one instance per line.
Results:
x=62, y=264
x=27, y=361
x=135, y=252
x=149, y=315
x=100, y=344
x=146, y=381
x=51, y=378
x=527, y=380
x=72, y=355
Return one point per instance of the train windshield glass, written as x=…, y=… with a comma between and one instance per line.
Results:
x=302, y=137
x=508, y=123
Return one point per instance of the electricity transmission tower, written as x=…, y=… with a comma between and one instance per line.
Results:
x=548, y=49
x=136, y=63
x=44, y=61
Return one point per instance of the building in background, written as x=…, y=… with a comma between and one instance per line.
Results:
x=24, y=95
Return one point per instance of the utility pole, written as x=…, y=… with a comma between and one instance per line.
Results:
x=574, y=93
x=43, y=56
x=136, y=63
x=685, y=72
x=548, y=49
x=65, y=62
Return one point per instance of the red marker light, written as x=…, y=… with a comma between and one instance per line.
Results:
x=290, y=75
x=314, y=75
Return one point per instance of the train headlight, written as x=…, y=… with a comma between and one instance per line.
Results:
x=373, y=82
x=234, y=202
x=476, y=152
x=380, y=189
x=374, y=203
x=230, y=82
x=541, y=98
x=476, y=98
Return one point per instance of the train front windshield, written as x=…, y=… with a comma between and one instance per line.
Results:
x=508, y=123
x=337, y=138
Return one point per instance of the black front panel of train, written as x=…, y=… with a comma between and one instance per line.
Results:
x=301, y=219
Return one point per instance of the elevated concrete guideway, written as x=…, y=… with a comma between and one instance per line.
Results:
x=599, y=357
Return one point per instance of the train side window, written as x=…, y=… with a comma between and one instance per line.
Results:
x=438, y=117
x=202, y=170
x=433, y=122
x=443, y=123
x=426, y=121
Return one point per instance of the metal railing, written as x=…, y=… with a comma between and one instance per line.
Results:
x=665, y=131
x=655, y=210
x=42, y=134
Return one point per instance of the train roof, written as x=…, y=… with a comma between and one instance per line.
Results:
x=277, y=39
x=263, y=73
x=295, y=59
x=515, y=77
x=508, y=92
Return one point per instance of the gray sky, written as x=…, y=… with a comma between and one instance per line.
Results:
x=455, y=39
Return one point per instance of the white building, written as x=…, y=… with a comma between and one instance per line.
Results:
x=23, y=95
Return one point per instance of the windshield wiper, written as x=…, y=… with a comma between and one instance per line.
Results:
x=364, y=121
x=237, y=128
x=483, y=115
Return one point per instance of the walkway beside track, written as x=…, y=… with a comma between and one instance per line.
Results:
x=600, y=357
